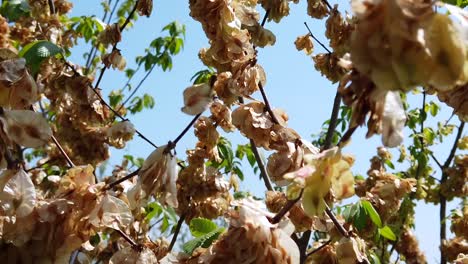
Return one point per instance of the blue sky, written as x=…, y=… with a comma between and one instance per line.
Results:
x=292, y=84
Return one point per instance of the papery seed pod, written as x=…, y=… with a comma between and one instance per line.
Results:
x=115, y=60
x=304, y=43
x=197, y=98
x=144, y=7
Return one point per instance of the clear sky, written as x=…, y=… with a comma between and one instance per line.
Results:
x=292, y=84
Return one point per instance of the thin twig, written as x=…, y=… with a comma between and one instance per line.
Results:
x=127, y=20
x=347, y=135
x=267, y=13
x=186, y=129
x=303, y=243
x=328, y=4
x=40, y=165
x=51, y=7
x=129, y=176
x=67, y=158
x=288, y=206
x=267, y=104
x=127, y=238
x=443, y=199
x=335, y=221
x=177, y=231
x=318, y=41
x=319, y=248
x=261, y=166
x=137, y=87
x=333, y=122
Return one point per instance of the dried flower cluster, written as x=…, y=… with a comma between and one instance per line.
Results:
x=58, y=212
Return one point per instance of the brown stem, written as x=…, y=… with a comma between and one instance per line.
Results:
x=333, y=122
x=186, y=129
x=129, y=176
x=347, y=135
x=318, y=41
x=443, y=199
x=127, y=238
x=303, y=243
x=319, y=248
x=261, y=166
x=267, y=104
x=288, y=206
x=337, y=224
x=67, y=158
x=177, y=231
x=51, y=6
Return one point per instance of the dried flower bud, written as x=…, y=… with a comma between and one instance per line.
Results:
x=18, y=89
x=304, y=43
x=327, y=65
x=120, y=133
x=317, y=8
x=197, y=98
x=323, y=172
x=144, y=7
x=393, y=120
x=251, y=238
x=115, y=60
x=131, y=255
x=111, y=212
x=350, y=250
x=26, y=128
x=111, y=35
x=158, y=176
x=278, y=9
x=221, y=114
x=17, y=195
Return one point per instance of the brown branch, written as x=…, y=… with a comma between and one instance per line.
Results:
x=267, y=104
x=333, y=122
x=318, y=41
x=129, y=176
x=127, y=238
x=177, y=231
x=443, y=199
x=51, y=6
x=186, y=129
x=67, y=158
x=347, y=135
x=261, y=166
x=319, y=248
x=337, y=224
x=288, y=206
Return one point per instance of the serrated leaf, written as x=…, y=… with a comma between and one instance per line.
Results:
x=36, y=52
x=202, y=241
x=201, y=226
x=370, y=210
x=387, y=233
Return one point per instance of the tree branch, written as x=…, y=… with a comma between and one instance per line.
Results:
x=177, y=231
x=319, y=248
x=67, y=158
x=443, y=199
x=318, y=41
x=129, y=176
x=127, y=238
x=333, y=121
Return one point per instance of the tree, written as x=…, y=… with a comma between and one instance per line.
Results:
x=54, y=115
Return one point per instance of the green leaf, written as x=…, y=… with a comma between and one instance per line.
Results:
x=387, y=233
x=370, y=210
x=202, y=241
x=14, y=9
x=36, y=52
x=389, y=164
x=374, y=259
x=201, y=226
